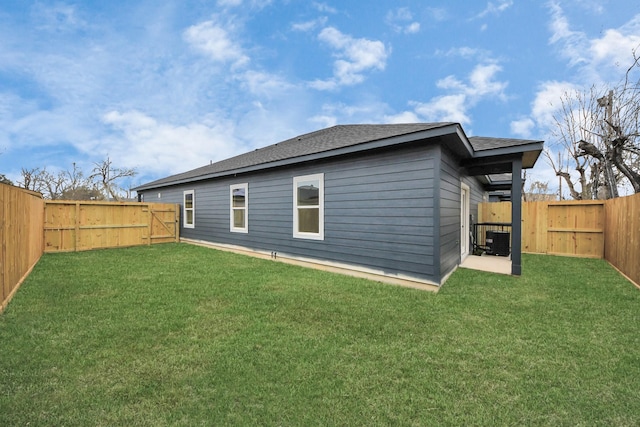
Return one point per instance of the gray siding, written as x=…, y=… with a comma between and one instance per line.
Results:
x=449, y=213
x=379, y=211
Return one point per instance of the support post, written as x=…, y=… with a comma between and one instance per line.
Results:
x=516, y=217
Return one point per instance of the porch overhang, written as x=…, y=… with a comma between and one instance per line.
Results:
x=499, y=165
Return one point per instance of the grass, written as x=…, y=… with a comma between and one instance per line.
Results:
x=182, y=335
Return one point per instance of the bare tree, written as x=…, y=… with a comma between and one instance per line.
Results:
x=55, y=184
x=32, y=179
x=52, y=185
x=571, y=121
x=537, y=191
x=83, y=192
x=75, y=179
x=72, y=184
x=107, y=176
x=597, y=132
x=619, y=133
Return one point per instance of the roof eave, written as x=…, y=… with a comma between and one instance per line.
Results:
x=530, y=152
x=448, y=129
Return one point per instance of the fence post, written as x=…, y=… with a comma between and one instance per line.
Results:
x=149, y=223
x=176, y=223
x=77, y=229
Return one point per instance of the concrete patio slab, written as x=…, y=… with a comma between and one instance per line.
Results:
x=490, y=263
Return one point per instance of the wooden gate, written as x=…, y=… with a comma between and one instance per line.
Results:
x=576, y=229
x=83, y=225
x=164, y=223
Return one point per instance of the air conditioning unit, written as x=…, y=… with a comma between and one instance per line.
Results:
x=498, y=243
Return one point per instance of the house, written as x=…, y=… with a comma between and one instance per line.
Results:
x=394, y=201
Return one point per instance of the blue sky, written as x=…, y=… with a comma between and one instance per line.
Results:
x=167, y=86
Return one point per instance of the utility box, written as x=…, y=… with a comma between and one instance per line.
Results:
x=498, y=243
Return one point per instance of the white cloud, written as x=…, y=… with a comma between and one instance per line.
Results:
x=309, y=25
x=482, y=82
x=264, y=84
x=466, y=52
x=140, y=139
x=447, y=108
x=257, y=4
x=404, y=117
x=464, y=95
x=229, y=3
x=438, y=14
x=215, y=41
x=39, y=128
x=414, y=27
x=495, y=8
x=401, y=21
x=574, y=43
x=355, y=57
x=170, y=110
x=596, y=59
x=599, y=60
x=323, y=7
x=615, y=46
x=324, y=121
x=400, y=14
x=368, y=110
x=546, y=105
x=522, y=127
x=548, y=101
x=595, y=6
x=58, y=17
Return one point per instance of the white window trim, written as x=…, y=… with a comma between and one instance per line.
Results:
x=232, y=228
x=193, y=209
x=301, y=235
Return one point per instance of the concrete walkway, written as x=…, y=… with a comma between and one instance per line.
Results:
x=490, y=263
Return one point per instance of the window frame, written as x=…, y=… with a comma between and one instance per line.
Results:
x=301, y=234
x=244, y=186
x=192, y=208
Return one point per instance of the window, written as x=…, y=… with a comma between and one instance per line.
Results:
x=239, y=204
x=188, y=209
x=308, y=207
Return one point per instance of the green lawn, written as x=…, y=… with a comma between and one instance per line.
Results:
x=182, y=335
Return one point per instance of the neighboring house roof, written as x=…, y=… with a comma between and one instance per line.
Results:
x=342, y=139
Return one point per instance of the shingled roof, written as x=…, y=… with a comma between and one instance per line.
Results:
x=321, y=141
x=481, y=143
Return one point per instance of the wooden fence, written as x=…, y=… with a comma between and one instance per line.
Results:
x=595, y=229
x=82, y=225
x=31, y=226
x=21, y=216
x=622, y=235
